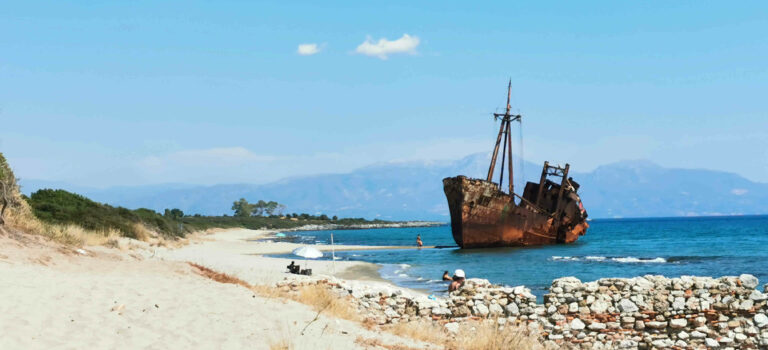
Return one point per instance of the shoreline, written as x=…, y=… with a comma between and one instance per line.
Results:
x=328, y=227
x=247, y=254
x=134, y=294
x=140, y=295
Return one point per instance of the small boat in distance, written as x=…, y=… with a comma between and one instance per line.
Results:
x=483, y=215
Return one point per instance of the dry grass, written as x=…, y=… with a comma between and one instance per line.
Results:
x=319, y=296
x=142, y=233
x=376, y=343
x=218, y=276
x=282, y=343
x=22, y=219
x=472, y=335
x=487, y=335
x=426, y=331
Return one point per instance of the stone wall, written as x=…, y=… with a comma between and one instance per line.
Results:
x=632, y=313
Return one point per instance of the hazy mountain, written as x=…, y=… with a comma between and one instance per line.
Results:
x=413, y=190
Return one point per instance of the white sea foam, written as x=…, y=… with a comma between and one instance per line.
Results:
x=631, y=259
x=566, y=258
x=623, y=260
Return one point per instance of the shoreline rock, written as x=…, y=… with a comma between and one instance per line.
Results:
x=629, y=313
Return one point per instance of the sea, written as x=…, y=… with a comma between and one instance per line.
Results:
x=701, y=246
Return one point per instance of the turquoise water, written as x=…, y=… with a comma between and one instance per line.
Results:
x=708, y=246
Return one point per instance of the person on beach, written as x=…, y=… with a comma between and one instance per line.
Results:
x=458, y=280
x=447, y=276
x=293, y=268
x=419, y=243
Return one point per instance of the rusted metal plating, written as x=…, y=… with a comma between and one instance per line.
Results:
x=482, y=215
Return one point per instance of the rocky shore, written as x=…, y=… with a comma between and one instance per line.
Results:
x=626, y=313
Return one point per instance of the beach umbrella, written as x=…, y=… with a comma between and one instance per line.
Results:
x=307, y=252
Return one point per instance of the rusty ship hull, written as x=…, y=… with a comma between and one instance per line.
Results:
x=483, y=216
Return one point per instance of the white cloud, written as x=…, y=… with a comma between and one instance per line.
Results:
x=308, y=49
x=384, y=47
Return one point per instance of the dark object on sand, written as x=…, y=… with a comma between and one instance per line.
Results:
x=307, y=272
x=482, y=215
x=293, y=268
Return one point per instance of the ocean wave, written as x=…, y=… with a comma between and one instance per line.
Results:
x=630, y=259
x=566, y=258
x=623, y=260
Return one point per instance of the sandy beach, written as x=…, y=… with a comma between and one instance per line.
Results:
x=138, y=296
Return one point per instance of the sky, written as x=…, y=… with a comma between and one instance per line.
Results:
x=99, y=93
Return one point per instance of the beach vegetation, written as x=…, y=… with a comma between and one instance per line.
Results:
x=66, y=208
x=472, y=335
x=281, y=343
x=243, y=208
x=9, y=189
x=19, y=216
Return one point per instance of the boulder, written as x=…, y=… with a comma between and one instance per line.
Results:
x=678, y=323
x=599, y=306
x=761, y=320
x=482, y=310
x=512, y=310
x=711, y=343
x=748, y=281
x=627, y=306
x=495, y=310
x=663, y=343
x=577, y=324
x=595, y=326
x=452, y=327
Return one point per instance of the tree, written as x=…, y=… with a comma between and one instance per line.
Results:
x=174, y=214
x=335, y=218
x=9, y=190
x=270, y=207
x=280, y=209
x=258, y=208
x=323, y=217
x=242, y=207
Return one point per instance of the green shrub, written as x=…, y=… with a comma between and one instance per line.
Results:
x=62, y=207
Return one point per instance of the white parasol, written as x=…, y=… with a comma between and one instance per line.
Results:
x=308, y=252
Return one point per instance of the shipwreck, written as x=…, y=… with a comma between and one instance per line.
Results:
x=483, y=215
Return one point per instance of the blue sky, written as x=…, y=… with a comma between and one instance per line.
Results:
x=141, y=92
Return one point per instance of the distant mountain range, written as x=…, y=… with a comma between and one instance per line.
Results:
x=413, y=191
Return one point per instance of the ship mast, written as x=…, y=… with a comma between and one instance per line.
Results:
x=504, y=131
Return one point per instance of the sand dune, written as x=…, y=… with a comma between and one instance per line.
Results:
x=54, y=297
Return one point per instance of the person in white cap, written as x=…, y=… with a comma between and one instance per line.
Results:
x=458, y=280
